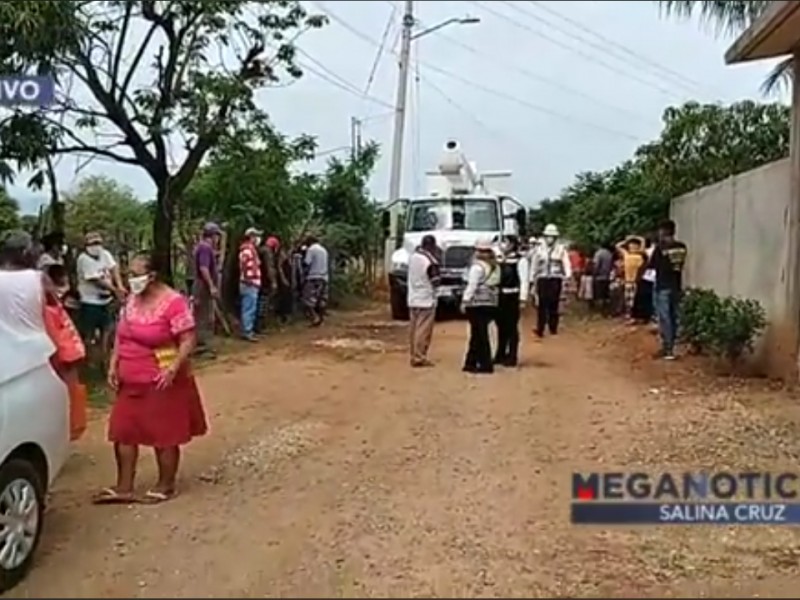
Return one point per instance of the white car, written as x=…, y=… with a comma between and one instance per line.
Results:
x=34, y=442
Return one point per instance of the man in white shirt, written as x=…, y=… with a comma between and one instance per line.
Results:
x=423, y=278
x=99, y=282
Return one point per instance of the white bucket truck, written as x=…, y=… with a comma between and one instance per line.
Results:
x=461, y=208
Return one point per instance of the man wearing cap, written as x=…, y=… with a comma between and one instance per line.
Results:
x=249, y=282
x=99, y=281
x=423, y=278
x=204, y=290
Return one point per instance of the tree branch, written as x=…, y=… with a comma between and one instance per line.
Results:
x=123, y=35
x=207, y=138
x=120, y=118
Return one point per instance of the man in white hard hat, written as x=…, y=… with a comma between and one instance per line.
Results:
x=550, y=266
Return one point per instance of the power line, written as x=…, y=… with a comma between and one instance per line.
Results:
x=381, y=48
x=530, y=105
x=557, y=42
x=541, y=78
x=474, y=84
x=336, y=80
x=610, y=43
x=468, y=113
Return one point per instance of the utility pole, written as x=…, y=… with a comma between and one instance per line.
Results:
x=400, y=103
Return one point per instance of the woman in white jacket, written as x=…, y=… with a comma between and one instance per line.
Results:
x=480, y=305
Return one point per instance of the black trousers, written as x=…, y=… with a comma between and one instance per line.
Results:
x=479, y=351
x=549, y=291
x=507, y=319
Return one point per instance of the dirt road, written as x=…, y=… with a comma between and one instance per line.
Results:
x=335, y=470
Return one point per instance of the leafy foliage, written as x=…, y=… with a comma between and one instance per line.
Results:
x=726, y=327
x=101, y=204
x=9, y=212
x=699, y=145
x=154, y=71
x=731, y=17
x=700, y=313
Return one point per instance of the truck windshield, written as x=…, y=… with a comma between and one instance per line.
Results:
x=453, y=214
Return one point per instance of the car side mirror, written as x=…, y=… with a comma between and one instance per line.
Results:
x=385, y=222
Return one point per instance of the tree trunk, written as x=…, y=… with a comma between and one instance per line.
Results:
x=162, y=233
x=58, y=210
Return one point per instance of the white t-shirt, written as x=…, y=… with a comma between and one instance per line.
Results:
x=24, y=343
x=90, y=269
x=421, y=293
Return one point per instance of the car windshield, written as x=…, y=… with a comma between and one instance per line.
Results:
x=453, y=214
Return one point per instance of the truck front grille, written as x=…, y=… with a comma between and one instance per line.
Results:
x=457, y=257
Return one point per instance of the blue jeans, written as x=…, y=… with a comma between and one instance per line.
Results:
x=249, y=309
x=666, y=304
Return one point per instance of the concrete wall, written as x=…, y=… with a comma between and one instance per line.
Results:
x=735, y=230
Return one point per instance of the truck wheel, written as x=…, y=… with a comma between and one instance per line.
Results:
x=22, y=507
x=399, y=304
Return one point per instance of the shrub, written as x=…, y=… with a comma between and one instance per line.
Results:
x=699, y=314
x=726, y=327
x=741, y=323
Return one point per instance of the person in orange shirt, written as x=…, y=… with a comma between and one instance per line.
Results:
x=70, y=350
x=633, y=257
x=578, y=262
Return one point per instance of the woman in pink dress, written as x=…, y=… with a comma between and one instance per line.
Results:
x=157, y=401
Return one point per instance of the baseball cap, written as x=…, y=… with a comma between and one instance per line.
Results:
x=212, y=229
x=273, y=242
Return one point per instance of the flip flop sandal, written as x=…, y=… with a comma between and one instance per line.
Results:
x=155, y=497
x=112, y=496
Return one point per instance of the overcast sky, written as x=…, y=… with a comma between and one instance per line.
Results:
x=535, y=87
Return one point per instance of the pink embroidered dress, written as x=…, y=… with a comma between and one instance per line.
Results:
x=147, y=342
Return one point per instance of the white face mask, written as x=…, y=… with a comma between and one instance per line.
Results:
x=64, y=250
x=138, y=284
x=257, y=241
x=94, y=250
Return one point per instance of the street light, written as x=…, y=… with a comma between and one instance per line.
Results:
x=400, y=108
x=400, y=104
x=451, y=21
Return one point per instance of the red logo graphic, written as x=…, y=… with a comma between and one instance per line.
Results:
x=586, y=492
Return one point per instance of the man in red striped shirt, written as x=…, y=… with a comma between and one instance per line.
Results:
x=249, y=281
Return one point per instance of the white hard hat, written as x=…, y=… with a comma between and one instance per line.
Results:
x=551, y=231
x=484, y=244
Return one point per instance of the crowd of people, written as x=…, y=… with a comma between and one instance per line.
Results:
x=638, y=278
x=64, y=303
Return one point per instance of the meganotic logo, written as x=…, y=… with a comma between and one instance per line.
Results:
x=748, y=497
x=22, y=90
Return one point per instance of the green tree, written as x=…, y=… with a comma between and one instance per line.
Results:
x=731, y=17
x=705, y=143
x=9, y=212
x=101, y=204
x=248, y=182
x=154, y=71
x=699, y=145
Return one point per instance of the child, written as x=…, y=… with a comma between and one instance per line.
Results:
x=70, y=350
